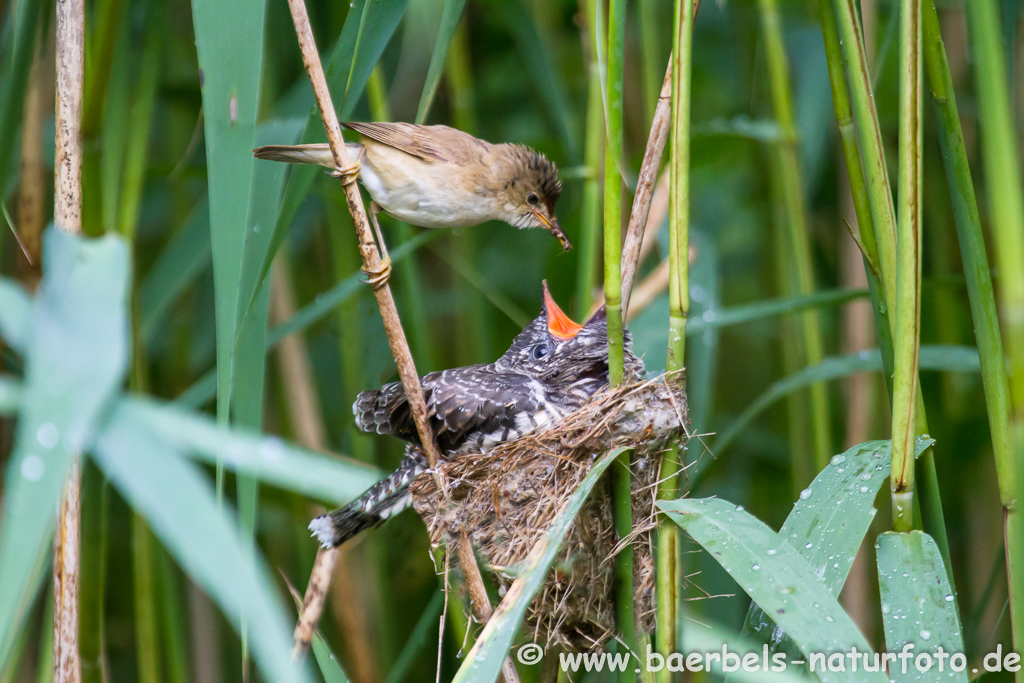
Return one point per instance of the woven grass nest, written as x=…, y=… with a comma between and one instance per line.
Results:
x=506, y=499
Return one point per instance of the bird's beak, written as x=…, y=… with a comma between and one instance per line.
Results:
x=560, y=325
x=552, y=225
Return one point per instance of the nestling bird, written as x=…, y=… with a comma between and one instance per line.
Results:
x=440, y=177
x=553, y=366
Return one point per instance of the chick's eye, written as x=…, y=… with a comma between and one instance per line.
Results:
x=532, y=198
x=539, y=351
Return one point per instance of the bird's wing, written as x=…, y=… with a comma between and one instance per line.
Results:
x=470, y=403
x=430, y=143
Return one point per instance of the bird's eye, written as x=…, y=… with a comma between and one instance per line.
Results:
x=532, y=198
x=539, y=351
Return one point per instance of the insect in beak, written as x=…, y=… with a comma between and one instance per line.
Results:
x=553, y=228
x=560, y=325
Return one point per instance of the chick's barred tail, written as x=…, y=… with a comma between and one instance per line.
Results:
x=317, y=154
x=387, y=497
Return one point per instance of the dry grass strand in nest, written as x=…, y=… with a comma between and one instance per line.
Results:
x=506, y=499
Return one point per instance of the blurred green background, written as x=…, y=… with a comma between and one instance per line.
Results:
x=518, y=71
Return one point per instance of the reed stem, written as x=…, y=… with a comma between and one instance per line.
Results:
x=67, y=216
x=669, y=579
x=593, y=154
x=1006, y=210
x=621, y=476
x=858, y=189
x=796, y=221
x=908, y=271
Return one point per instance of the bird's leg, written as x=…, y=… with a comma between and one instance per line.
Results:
x=378, y=278
x=349, y=174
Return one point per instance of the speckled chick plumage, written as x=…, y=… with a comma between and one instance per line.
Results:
x=542, y=377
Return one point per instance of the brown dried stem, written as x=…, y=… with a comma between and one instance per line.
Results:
x=371, y=264
x=67, y=215
x=645, y=187
x=313, y=601
x=367, y=248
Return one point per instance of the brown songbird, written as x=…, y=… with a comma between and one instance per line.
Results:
x=439, y=177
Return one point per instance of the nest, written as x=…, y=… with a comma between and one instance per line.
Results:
x=507, y=498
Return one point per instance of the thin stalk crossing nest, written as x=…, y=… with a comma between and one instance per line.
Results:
x=507, y=498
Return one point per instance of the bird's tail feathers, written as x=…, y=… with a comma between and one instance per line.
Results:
x=386, y=498
x=317, y=154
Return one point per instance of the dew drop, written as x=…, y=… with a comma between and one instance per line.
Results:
x=47, y=435
x=33, y=468
x=805, y=494
x=925, y=634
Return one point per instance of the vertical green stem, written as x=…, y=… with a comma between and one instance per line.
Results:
x=981, y=296
x=650, y=32
x=590, y=228
x=1006, y=209
x=908, y=269
x=796, y=219
x=858, y=188
x=668, y=569
x=613, y=299
x=866, y=120
x=92, y=582
x=147, y=648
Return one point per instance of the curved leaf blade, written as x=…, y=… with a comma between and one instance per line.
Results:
x=15, y=313
x=179, y=505
x=918, y=607
x=76, y=360
x=774, y=575
x=829, y=521
x=268, y=459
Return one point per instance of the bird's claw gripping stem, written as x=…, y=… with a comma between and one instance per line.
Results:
x=379, y=277
x=348, y=174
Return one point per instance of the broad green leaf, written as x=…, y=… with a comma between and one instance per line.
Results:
x=829, y=521
x=367, y=30
x=229, y=43
x=918, y=607
x=268, y=459
x=483, y=663
x=77, y=351
x=185, y=256
x=937, y=358
x=450, y=16
x=15, y=313
x=178, y=503
x=248, y=369
x=703, y=638
x=330, y=669
x=10, y=395
x=774, y=575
